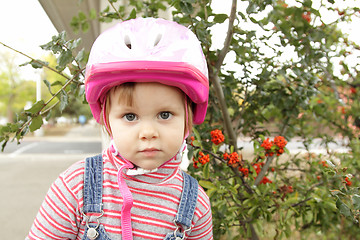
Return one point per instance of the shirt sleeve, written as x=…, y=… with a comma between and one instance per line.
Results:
x=202, y=228
x=59, y=215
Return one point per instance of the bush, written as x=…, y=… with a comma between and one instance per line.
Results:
x=289, y=74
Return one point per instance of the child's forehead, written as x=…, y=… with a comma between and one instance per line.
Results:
x=132, y=87
x=128, y=93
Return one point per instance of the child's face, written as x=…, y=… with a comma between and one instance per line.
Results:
x=151, y=131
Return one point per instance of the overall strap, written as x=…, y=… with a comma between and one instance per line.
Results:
x=186, y=207
x=93, y=184
x=188, y=201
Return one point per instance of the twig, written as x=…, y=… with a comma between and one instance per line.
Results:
x=301, y=202
x=228, y=38
x=247, y=187
x=37, y=61
x=64, y=86
x=117, y=12
x=77, y=62
x=39, y=112
x=263, y=171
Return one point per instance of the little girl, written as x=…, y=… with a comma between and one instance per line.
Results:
x=146, y=82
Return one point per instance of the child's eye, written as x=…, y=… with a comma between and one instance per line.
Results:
x=130, y=117
x=165, y=115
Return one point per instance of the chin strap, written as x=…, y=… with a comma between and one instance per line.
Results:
x=126, y=193
x=127, y=204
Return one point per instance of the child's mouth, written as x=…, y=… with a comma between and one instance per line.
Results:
x=150, y=152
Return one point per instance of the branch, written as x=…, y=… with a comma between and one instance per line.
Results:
x=37, y=61
x=64, y=86
x=228, y=38
x=224, y=109
x=269, y=160
x=77, y=62
x=263, y=171
x=117, y=12
x=247, y=187
x=214, y=77
x=47, y=103
x=301, y=202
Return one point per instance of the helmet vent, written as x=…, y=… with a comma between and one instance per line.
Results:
x=127, y=41
x=157, y=39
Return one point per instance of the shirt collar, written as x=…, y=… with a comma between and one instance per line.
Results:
x=161, y=174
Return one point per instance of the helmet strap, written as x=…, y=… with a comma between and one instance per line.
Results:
x=105, y=121
x=186, y=118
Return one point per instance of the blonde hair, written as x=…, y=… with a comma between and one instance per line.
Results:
x=126, y=91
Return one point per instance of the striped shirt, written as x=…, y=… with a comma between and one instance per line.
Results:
x=156, y=198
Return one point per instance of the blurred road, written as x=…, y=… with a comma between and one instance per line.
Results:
x=27, y=171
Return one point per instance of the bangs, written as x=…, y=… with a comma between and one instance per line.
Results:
x=126, y=92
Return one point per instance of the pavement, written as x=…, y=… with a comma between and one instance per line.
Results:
x=26, y=177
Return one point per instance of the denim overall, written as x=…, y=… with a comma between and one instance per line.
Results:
x=93, y=183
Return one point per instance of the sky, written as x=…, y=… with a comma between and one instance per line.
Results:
x=24, y=25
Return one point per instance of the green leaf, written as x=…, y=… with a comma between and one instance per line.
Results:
x=132, y=14
x=48, y=85
x=85, y=26
x=36, y=108
x=4, y=144
x=211, y=192
x=74, y=43
x=206, y=184
x=343, y=208
x=35, y=64
x=252, y=210
x=206, y=172
x=36, y=123
x=80, y=56
x=186, y=7
x=48, y=116
x=82, y=16
x=356, y=201
x=330, y=205
x=93, y=14
x=291, y=201
x=64, y=100
x=57, y=83
x=64, y=58
x=233, y=190
x=220, y=18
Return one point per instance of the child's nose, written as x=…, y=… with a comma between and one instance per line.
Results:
x=148, y=131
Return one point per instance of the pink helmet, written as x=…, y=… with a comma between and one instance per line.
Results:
x=147, y=50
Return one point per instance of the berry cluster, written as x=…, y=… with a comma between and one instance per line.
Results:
x=232, y=158
x=217, y=136
x=284, y=190
x=347, y=181
x=324, y=163
x=307, y=16
x=276, y=146
x=203, y=159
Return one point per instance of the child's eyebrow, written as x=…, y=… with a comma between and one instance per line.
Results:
x=168, y=106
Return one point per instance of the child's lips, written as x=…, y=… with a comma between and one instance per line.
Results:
x=150, y=152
